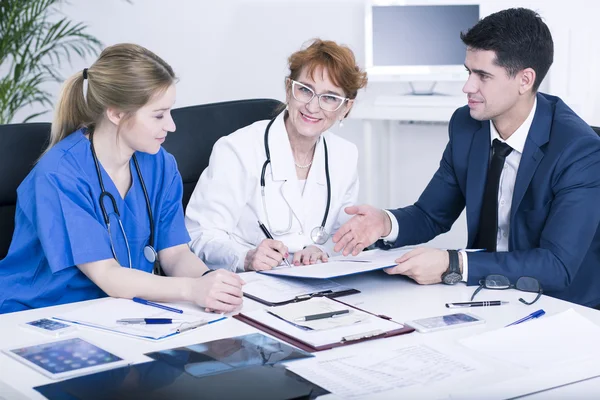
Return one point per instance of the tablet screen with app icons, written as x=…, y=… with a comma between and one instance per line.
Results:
x=66, y=357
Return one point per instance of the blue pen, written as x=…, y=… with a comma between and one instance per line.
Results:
x=153, y=304
x=147, y=321
x=533, y=315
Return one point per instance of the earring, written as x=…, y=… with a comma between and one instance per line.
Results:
x=287, y=107
x=341, y=124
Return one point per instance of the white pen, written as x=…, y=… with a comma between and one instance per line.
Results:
x=192, y=325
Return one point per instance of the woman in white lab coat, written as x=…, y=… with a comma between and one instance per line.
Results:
x=300, y=191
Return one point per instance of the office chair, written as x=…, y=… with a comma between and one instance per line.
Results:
x=596, y=129
x=20, y=147
x=199, y=127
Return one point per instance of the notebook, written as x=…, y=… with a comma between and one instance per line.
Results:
x=103, y=314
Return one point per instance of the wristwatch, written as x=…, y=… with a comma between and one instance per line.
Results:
x=452, y=274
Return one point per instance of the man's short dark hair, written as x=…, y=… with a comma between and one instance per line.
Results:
x=519, y=38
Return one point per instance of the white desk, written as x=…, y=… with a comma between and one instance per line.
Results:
x=367, y=110
x=397, y=297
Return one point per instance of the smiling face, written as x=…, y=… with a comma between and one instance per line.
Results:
x=308, y=119
x=491, y=92
x=148, y=128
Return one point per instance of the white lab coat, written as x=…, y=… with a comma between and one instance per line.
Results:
x=223, y=212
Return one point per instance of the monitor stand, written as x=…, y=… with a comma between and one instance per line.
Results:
x=423, y=89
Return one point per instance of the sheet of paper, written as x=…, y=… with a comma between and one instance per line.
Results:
x=341, y=266
x=390, y=373
x=368, y=327
x=104, y=315
x=292, y=312
x=279, y=289
x=563, y=338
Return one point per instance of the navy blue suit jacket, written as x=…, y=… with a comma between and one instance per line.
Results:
x=555, y=210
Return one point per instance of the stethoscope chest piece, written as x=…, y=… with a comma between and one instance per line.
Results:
x=319, y=235
x=150, y=254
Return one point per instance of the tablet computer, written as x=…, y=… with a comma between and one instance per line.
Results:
x=66, y=358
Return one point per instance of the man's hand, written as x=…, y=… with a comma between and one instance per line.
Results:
x=366, y=226
x=423, y=265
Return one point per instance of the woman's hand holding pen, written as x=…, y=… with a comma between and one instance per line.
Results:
x=309, y=255
x=219, y=291
x=267, y=255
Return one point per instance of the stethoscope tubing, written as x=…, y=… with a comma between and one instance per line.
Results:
x=150, y=255
x=268, y=161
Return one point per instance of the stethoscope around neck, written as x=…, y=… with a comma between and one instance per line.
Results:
x=318, y=234
x=149, y=251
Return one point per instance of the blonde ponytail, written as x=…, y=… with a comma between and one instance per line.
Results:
x=125, y=76
x=71, y=112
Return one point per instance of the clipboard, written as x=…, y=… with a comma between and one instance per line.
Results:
x=278, y=291
x=344, y=341
x=326, y=293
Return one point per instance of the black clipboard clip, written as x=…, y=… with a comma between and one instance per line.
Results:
x=326, y=293
x=308, y=296
x=366, y=335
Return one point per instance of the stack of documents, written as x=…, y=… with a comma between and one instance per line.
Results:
x=103, y=314
x=342, y=266
x=550, y=351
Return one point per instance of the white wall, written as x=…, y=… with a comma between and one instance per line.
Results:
x=234, y=49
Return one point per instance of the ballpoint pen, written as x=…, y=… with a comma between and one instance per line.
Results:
x=147, y=321
x=153, y=304
x=533, y=315
x=192, y=325
x=322, y=315
x=269, y=236
x=485, y=303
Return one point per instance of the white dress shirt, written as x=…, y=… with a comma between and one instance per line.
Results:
x=508, y=178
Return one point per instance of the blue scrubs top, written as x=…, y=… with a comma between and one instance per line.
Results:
x=59, y=224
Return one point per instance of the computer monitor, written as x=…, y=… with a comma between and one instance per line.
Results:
x=413, y=41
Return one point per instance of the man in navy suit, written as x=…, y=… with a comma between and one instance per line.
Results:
x=526, y=167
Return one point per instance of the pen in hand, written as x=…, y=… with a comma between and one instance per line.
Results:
x=269, y=236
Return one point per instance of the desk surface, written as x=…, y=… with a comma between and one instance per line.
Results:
x=397, y=297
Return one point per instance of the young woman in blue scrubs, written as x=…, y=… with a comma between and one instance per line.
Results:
x=71, y=242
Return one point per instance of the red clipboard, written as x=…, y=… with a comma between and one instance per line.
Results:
x=402, y=329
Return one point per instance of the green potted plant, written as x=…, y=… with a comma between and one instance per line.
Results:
x=35, y=40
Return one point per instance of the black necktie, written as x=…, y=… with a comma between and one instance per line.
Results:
x=488, y=220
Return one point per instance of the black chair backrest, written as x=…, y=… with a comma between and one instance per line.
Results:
x=596, y=129
x=199, y=127
x=20, y=147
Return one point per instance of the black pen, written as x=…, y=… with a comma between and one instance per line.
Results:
x=322, y=315
x=269, y=236
x=467, y=304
